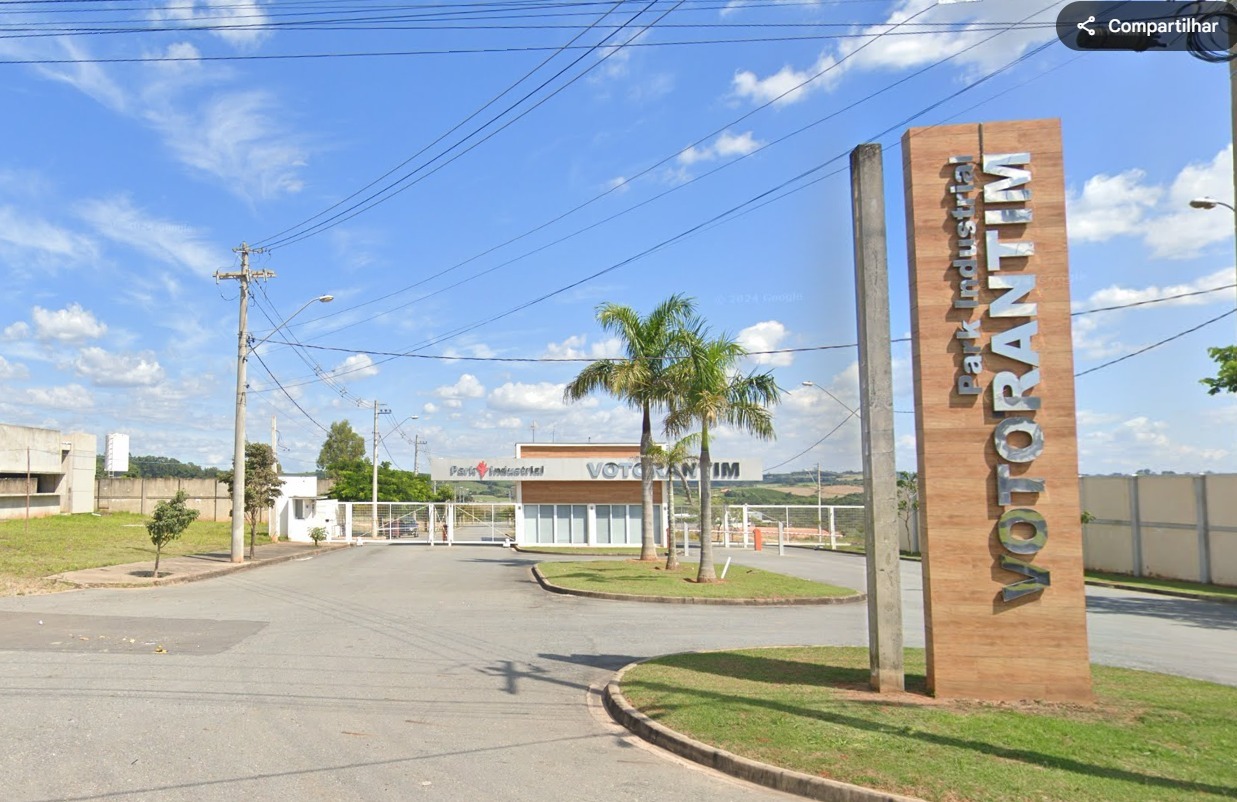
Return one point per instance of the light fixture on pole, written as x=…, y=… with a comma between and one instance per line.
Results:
x=831, y=395
x=1210, y=203
x=244, y=349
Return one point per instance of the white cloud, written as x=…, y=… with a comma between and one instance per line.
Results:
x=17, y=331
x=87, y=78
x=1125, y=205
x=766, y=336
x=22, y=235
x=475, y=350
x=234, y=138
x=539, y=397
x=357, y=366
x=577, y=347
x=70, y=325
x=1115, y=295
x=118, y=370
x=71, y=397
x=13, y=370
x=172, y=243
x=241, y=24
x=974, y=46
x=618, y=184
x=1110, y=206
x=726, y=144
x=453, y=403
x=468, y=386
x=430, y=408
x=509, y=422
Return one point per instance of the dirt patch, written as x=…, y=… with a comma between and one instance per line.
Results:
x=826, y=492
x=21, y=586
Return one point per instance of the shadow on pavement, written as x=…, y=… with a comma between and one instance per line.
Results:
x=1195, y=612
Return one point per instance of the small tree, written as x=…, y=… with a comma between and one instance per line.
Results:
x=317, y=535
x=170, y=520
x=262, y=485
x=908, y=499
x=1225, y=380
x=673, y=460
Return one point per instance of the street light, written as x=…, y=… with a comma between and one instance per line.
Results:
x=1210, y=203
x=831, y=395
x=244, y=349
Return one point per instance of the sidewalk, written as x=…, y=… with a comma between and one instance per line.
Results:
x=189, y=568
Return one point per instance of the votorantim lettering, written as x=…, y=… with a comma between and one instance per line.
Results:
x=1018, y=439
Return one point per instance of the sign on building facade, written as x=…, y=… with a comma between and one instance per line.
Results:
x=994, y=398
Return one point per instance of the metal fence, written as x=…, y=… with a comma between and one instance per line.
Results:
x=426, y=523
x=828, y=525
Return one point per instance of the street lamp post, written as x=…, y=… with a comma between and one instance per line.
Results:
x=1211, y=203
x=244, y=349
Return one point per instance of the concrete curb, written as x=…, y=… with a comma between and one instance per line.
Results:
x=181, y=579
x=596, y=594
x=779, y=779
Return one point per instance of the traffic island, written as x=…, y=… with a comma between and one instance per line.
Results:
x=632, y=580
x=802, y=720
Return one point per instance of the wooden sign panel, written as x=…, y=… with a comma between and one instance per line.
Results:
x=994, y=412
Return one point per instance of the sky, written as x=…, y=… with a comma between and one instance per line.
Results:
x=470, y=180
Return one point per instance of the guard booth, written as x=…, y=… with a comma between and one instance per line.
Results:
x=581, y=494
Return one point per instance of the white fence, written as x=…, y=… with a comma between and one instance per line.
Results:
x=831, y=525
x=425, y=523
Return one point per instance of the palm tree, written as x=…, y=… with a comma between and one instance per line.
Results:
x=640, y=380
x=711, y=392
x=672, y=459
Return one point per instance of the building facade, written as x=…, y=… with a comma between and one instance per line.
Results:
x=581, y=494
x=44, y=472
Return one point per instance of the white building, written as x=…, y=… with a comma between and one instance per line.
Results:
x=299, y=509
x=44, y=472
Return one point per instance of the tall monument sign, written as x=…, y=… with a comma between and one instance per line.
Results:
x=994, y=412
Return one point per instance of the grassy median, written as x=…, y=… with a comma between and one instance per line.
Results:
x=71, y=542
x=1149, y=737
x=652, y=579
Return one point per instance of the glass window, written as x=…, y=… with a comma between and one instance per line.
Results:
x=302, y=508
x=618, y=523
x=579, y=518
x=530, y=523
x=603, y=523
x=545, y=523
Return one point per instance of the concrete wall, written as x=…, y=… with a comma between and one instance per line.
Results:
x=1175, y=527
x=210, y=498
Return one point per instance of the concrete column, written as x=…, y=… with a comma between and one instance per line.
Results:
x=876, y=417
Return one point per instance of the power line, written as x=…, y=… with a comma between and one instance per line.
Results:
x=1133, y=304
x=1158, y=344
x=814, y=445
x=288, y=395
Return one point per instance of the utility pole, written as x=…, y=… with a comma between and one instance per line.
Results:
x=378, y=410
x=876, y=415
x=417, y=442
x=274, y=439
x=533, y=427
x=242, y=355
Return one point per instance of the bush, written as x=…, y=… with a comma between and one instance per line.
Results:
x=317, y=535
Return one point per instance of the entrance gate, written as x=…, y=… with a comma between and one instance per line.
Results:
x=425, y=523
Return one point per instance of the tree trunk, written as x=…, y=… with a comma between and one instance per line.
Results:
x=158, y=549
x=706, y=573
x=648, y=547
x=672, y=559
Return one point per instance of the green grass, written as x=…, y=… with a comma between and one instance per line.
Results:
x=1150, y=738
x=1222, y=592
x=71, y=542
x=651, y=579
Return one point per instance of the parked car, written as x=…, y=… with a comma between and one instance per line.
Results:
x=400, y=527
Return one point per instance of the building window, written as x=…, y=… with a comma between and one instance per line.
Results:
x=302, y=508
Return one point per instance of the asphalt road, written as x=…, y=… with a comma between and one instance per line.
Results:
x=398, y=672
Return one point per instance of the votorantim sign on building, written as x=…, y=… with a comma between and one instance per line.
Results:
x=994, y=390
x=578, y=469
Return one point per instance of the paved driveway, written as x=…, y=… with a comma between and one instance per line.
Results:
x=397, y=672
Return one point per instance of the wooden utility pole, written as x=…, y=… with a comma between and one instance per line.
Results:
x=876, y=415
x=242, y=355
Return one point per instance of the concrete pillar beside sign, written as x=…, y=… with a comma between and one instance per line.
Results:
x=1004, y=598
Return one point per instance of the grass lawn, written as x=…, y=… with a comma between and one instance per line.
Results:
x=1219, y=592
x=69, y=542
x=652, y=579
x=1149, y=738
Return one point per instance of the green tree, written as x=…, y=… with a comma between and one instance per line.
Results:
x=1225, y=380
x=170, y=520
x=354, y=482
x=710, y=392
x=262, y=484
x=673, y=459
x=342, y=445
x=650, y=345
x=908, y=499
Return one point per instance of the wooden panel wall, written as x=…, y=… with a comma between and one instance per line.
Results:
x=598, y=492
x=551, y=450
x=980, y=646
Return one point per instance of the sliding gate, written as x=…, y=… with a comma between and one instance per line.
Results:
x=428, y=524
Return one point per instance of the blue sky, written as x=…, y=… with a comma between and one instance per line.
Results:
x=125, y=185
